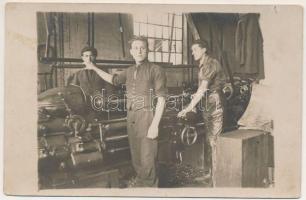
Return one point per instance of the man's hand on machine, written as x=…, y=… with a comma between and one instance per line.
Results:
x=182, y=113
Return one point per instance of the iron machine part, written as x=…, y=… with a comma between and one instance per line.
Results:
x=73, y=137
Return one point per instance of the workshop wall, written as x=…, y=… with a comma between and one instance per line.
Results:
x=111, y=33
x=107, y=40
x=107, y=36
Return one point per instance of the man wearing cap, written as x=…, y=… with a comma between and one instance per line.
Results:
x=88, y=79
x=143, y=80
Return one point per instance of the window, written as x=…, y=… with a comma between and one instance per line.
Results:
x=165, y=35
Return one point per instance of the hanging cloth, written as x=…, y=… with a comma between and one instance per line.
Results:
x=249, y=46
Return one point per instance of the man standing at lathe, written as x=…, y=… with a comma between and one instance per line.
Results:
x=142, y=120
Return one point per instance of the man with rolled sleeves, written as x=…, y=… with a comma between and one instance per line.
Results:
x=90, y=82
x=143, y=80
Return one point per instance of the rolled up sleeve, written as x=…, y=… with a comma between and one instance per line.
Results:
x=210, y=72
x=119, y=79
x=160, y=82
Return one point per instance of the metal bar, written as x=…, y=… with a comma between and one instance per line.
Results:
x=171, y=35
x=43, y=73
x=149, y=23
x=48, y=35
x=117, y=66
x=55, y=47
x=118, y=149
x=61, y=24
x=92, y=30
x=88, y=30
x=161, y=38
x=114, y=138
x=178, y=52
x=101, y=132
x=78, y=60
x=50, y=78
x=109, y=62
x=122, y=35
x=114, y=120
x=79, y=66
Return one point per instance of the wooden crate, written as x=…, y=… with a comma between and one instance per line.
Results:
x=243, y=159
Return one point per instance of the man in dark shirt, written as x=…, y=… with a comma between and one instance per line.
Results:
x=144, y=80
x=90, y=82
x=210, y=98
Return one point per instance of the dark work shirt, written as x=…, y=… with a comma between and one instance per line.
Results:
x=211, y=71
x=90, y=82
x=143, y=83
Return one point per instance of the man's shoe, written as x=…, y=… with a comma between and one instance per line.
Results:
x=206, y=178
x=207, y=174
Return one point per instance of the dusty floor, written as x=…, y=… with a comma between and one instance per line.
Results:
x=170, y=176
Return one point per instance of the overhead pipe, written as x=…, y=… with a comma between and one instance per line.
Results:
x=112, y=63
x=122, y=66
x=79, y=60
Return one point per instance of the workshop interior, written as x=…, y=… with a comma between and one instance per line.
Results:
x=86, y=146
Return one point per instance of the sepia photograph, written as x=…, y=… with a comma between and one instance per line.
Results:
x=155, y=98
x=101, y=125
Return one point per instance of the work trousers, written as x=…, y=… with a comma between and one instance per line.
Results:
x=143, y=149
x=213, y=123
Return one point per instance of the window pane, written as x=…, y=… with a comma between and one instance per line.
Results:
x=151, y=56
x=166, y=32
x=136, y=28
x=157, y=27
x=151, y=44
x=151, y=31
x=173, y=34
x=179, y=46
x=172, y=58
x=158, y=31
x=178, y=33
x=170, y=19
x=178, y=21
x=165, y=57
x=143, y=29
x=166, y=45
x=178, y=59
x=158, y=57
x=173, y=46
x=158, y=45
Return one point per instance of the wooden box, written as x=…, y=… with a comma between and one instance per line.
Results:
x=244, y=158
